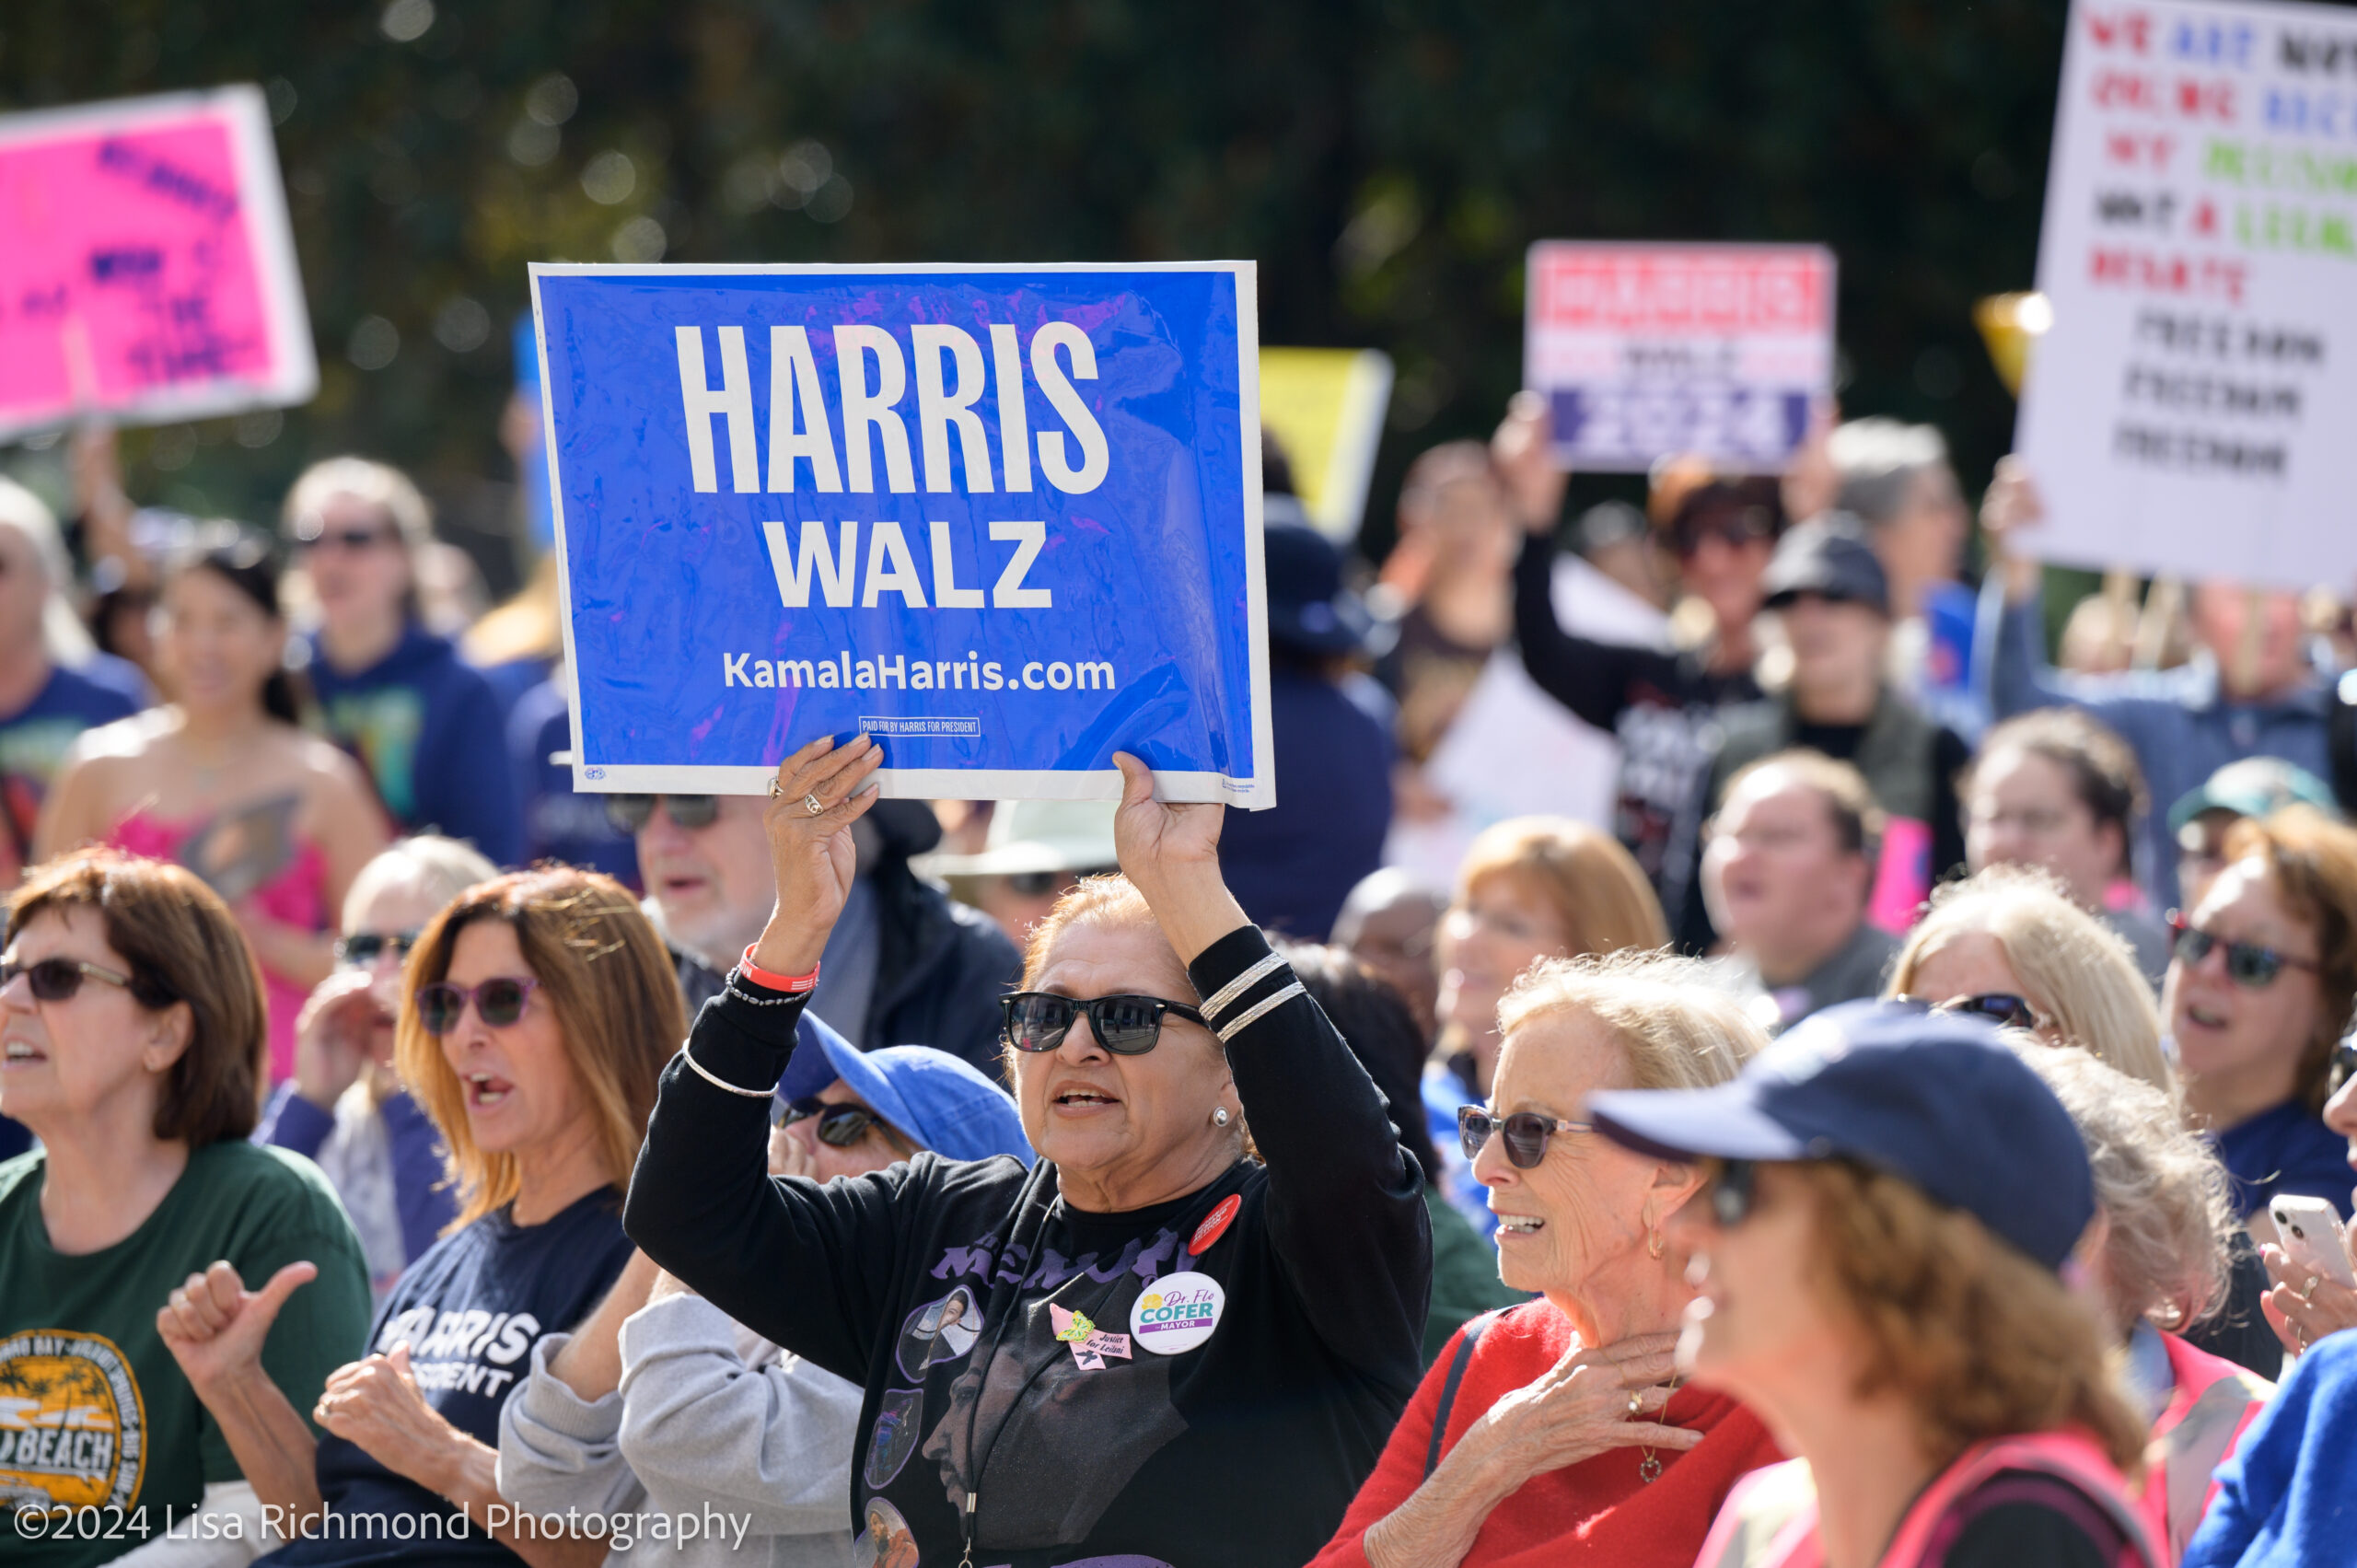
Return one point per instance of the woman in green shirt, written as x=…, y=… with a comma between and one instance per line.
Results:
x=132, y=1034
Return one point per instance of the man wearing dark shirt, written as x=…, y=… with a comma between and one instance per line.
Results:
x=1830, y=587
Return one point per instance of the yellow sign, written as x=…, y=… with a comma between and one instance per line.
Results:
x=1326, y=407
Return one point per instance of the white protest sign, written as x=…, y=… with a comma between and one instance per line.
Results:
x=2193, y=408
x=1648, y=351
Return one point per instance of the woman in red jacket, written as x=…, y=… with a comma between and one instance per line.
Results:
x=1550, y=1432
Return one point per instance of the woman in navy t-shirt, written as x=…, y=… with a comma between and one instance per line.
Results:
x=542, y=1009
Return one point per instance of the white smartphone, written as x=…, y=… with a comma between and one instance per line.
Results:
x=2309, y=1231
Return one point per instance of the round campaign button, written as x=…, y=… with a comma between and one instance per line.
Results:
x=1177, y=1313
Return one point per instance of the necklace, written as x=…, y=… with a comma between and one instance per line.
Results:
x=1649, y=1466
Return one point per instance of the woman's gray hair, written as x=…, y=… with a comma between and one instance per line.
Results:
x=2161, y=1189
x=439, y=868
x=1877, y=459
x=62, y=636
x=1677, y=1025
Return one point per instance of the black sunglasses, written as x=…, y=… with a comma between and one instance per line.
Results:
x=839, y=1126
x=1997, y=1007
x=1525, y=1133
x=630, y=813
x=1735, y=529
x=363, y=948
x=1735, y=1187
x=499, y=1002
x=59, y=980
x=2247, y=963
x=1127, y=1026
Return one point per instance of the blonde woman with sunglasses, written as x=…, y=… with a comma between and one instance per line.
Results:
x=1550, y=1431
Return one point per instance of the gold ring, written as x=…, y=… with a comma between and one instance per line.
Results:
x=814, y=806
x=776, y=789
x=1636, y=1403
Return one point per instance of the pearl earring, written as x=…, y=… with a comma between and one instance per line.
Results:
x=1219, y=1117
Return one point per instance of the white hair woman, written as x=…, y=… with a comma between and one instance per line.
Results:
x=1552, y=1427
x=1164, y=1341
x=345, y=1107
x=2155, y=1259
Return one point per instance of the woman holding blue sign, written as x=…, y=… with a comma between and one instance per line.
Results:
x=1170, y=1340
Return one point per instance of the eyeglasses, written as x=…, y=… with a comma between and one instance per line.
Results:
x=499, y=1002
x=57, y=980
x=1997, y=1007
x=1733, y=529
x=2343, y=1067
x=352, y=542
x=1734, y=1189
x=2248, y=964
x=363, y=948
x=1126, y=1026
x=631, y=813
x=1525, y=1133
x=839, y=1126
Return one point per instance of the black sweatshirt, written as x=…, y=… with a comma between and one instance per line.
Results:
x=936, y=1282
x=1664, y=708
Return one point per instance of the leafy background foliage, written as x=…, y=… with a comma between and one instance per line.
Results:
x=1386, y=161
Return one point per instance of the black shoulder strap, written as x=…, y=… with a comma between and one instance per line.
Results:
x=1467, y=1338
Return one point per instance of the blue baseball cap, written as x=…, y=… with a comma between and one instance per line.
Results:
x=940, y=1101
x=1934, y=1098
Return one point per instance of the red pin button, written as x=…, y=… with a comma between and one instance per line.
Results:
x=1214, y=1224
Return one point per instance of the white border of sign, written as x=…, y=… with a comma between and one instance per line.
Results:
x=949, y=783
x=262, y=200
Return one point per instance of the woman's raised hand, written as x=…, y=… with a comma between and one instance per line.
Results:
x=1578, y=1409
x=1170, y=852
x=1522, y=452
x=810, y=850
x=2302, y=1306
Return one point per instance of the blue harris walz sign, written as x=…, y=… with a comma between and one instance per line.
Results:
x=1005, y=519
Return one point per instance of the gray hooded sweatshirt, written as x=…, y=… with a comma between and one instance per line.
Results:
x=711, y=1426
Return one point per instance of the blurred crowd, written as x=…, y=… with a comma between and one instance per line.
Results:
x=1722, y=917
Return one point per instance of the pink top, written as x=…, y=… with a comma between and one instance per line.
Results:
x=297, y=896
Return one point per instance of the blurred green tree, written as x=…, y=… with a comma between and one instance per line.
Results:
x=1386, y=161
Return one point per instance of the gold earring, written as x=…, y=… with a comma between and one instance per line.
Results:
x=1653, y=1243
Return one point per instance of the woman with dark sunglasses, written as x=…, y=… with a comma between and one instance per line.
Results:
x=1180, y=1344
x=131, y=1019
x=1550, y=1432
x=542, y=1009
x=1890, y=1199
x=2258, y=993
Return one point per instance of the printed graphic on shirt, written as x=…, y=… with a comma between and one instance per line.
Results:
x=73, y=1423
x=469, y=1351
x=895, y=1438
x=885, y=1538
x=1056, y=1441
x=382, y=727
x=939, y=1330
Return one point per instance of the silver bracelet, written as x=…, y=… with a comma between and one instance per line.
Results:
x=698, y=1069
x=790, y=998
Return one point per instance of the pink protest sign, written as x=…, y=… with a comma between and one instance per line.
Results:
x=146, y=269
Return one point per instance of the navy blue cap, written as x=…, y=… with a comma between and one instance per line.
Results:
x=940, y=1101
x=1934, y=1098
x=1829, y=557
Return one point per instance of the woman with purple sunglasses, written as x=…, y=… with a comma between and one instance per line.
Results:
x=541, y=1008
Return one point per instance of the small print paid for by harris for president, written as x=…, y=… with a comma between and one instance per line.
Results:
x=1005, y=519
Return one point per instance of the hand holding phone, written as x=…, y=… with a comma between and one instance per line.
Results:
x=2309, y=1231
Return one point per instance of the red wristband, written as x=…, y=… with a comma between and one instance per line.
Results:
x=768, y=981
